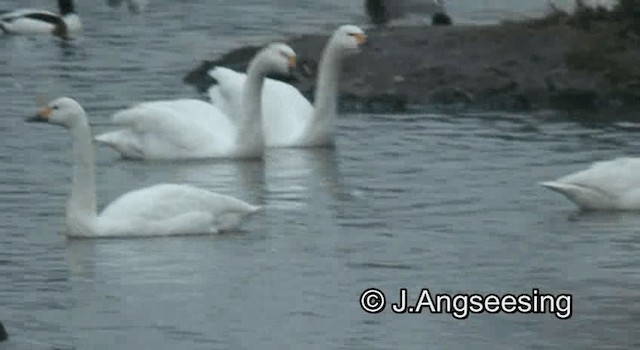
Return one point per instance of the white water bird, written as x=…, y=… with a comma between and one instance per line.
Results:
x=161, y=210
x=606, y=185
x=29, y=21
x=289, y=118
x=189, y=129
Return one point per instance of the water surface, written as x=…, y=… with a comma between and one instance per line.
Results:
x=444, y=201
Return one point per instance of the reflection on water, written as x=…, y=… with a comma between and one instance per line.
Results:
x=298, y=176
x=445, y=201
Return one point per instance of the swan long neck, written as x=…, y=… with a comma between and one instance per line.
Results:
x=326, y=94
x=250, y=131
x=82, y=203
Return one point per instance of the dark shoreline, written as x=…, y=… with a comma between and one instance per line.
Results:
x=557, y=62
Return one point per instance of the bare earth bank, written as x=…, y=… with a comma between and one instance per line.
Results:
x=512, y=66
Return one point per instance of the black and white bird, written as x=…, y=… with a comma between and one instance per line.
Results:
x=30, y=21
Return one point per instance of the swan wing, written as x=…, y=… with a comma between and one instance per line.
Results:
x=611, y=184
x=175, y=129
x=286, y=112
x=170, y=209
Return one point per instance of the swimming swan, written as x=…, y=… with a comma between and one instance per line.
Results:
x=27, y=21
x=159, y=210
x=182, y=129
x=289, y=118
x=606, y=185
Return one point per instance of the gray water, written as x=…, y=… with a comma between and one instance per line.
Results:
x=422, y=200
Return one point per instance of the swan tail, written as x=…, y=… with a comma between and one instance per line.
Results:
x=118, y=141
x=232, y=219
x=255, y=208
x=583, y=196
x=108, y=138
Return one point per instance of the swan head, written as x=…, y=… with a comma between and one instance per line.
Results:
x=62, y=111
x=349, y=38
x=278, y=58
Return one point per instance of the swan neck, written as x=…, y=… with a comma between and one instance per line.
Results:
x=326, y=94
x=250, y=133
x=82, y=202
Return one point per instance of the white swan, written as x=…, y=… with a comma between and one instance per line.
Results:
x=181, y=129
x=28, y=21
x=606, y=185
x=289, y=118
x=159, y=210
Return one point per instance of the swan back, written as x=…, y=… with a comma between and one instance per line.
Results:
x=173, y=129
x=170, y=209
x=612, y=184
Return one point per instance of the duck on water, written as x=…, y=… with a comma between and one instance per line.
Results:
x=33, y=21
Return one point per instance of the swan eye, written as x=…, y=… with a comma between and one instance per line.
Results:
x=55, y=107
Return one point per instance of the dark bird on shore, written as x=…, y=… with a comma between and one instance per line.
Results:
x=238, y=60
x=380, y=12
x=440, y=17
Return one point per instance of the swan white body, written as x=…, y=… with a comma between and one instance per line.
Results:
x=177, y=129
x=160, y=210
x=31, y=21
x=606, y=185
x=289, y=118
x=183, y=129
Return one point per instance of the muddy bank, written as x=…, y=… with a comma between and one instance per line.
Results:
x=556, y=62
